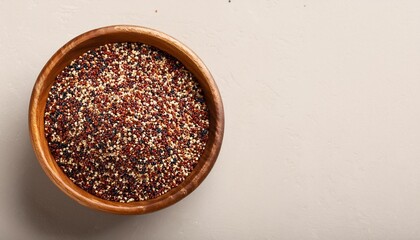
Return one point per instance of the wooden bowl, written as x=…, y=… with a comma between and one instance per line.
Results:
x=122, y=33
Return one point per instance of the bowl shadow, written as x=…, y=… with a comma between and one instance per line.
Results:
x=51, y=212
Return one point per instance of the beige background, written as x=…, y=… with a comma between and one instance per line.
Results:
x=322, y=119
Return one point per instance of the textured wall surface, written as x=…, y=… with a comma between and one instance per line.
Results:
x=322, y=119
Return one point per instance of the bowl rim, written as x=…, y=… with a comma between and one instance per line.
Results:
x=54, y=172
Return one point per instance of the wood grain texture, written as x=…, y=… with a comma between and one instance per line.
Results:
x=124, y=33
